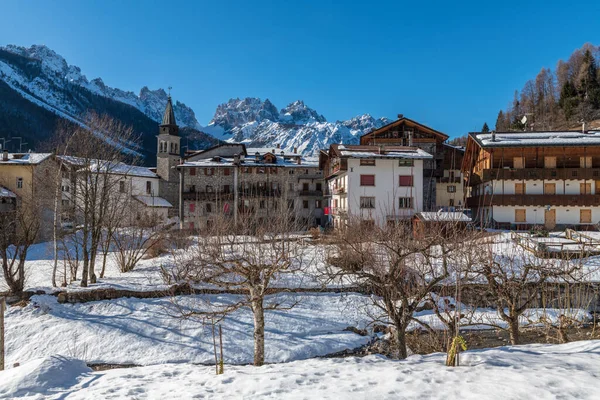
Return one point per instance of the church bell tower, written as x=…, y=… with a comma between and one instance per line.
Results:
x=168, y=155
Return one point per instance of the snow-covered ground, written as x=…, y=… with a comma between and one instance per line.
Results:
x=568, y=371
x=149, y=331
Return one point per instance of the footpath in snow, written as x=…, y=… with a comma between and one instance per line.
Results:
x=569, y=371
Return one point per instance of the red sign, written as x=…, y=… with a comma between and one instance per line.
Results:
x=326, y=210
x=226, y=208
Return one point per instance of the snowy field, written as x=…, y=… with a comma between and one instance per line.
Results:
x=150, y=331
x=568, y=371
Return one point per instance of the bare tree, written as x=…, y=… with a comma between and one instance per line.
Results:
x=133, y=242
x=515, y=278
x=399, y=266
x=246, y=259
x=98, y=147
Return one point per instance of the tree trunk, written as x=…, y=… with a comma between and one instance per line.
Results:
x=513, y=329
x=259, y=331
x=401, y=341
x=86, y=263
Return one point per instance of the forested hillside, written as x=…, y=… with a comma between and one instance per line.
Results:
x=562, y=98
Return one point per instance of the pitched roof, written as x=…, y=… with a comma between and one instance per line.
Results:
x=169, y=115
x=25, y=158
x=409, y=121
x=443, y=216
x=362, y=151
x=153, y=201
x=4, y=192
x=536, y=139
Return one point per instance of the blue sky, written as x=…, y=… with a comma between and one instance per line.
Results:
x=450, y=65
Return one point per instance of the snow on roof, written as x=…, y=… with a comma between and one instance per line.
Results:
x=4, y=192
x=153, y=201
x=274, y=150
x=407, y=152
x=442, y=216
x=120, y=168
x=566, y=138
x=249, y=161
x=25, y=158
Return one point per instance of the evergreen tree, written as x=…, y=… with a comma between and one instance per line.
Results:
x=486, y=128
x=568, y=99
x=589, y=88
x=501, y=122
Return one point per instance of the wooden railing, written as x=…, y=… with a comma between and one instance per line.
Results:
x=569, y=200
x=540, y=173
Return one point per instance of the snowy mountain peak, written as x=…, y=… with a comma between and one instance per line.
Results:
x=51, y=84
x=297, y=112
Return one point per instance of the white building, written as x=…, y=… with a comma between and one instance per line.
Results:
x=372, y=183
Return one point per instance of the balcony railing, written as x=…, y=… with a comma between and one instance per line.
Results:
x=541, y=173
x=446, y=179
x=540, y=200
x=311, y=193
x=339, y=190
x=207, y=195
x=310, y=176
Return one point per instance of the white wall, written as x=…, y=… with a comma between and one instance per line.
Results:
x=386, y=190
x=535, y=215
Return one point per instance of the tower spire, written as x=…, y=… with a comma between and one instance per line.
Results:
x=169, y=115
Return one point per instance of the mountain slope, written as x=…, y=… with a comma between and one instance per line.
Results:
x=38, y=88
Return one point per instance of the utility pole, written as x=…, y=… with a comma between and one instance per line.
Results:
x=236, y=164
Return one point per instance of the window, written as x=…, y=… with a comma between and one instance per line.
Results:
x=319, y=187
x=451, y=189
x=291, y=172
x=275, y=186
x=19, y=183
x=247, y=170
x=367, y=162
x=335, y=203
x=226, y=171
x=65, y=188
x=585, y=162
x=208, y=207
x=209, y=188
x=585, y=188
x=273, y=171
x=260, y=170
x=192, y=171
x=148, y=187
x=305, y=187
x=226, y=189
x=406, y=180
x=549, y=162
x=262, y=204
x=367, y=180
x=405, y=202
x=192, y=207
x=305, y=204
x=65, y=203
x=291, y=187
x=520, y=215
x=518, y=162
x=191, y=226
x=519, y=188
x=317, y=203
x=367, y=202
x=406, y=162
x=290, y=204
x=209, y=171
x=121, y=186
x=585, y=216
x=450, y=202
x=549, y=188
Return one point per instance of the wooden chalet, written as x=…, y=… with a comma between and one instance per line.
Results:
x=524, y=179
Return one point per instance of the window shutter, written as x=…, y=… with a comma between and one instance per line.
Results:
x=406, y=180
x=367, y=180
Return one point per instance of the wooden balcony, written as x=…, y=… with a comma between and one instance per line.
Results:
x=311, y=193
x=339, y=190
x=446, y=179
x=536, y=200
x=208, y=196
x=540, y=174
x=310, y=176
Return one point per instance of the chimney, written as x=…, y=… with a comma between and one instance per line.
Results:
x=5, y=155
x=257, y=156
x=295, y=150
x=299, y=161
x=278, y=145
x=493, y=136
x=400, y=116
x=410, y=139
x=236, y=159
